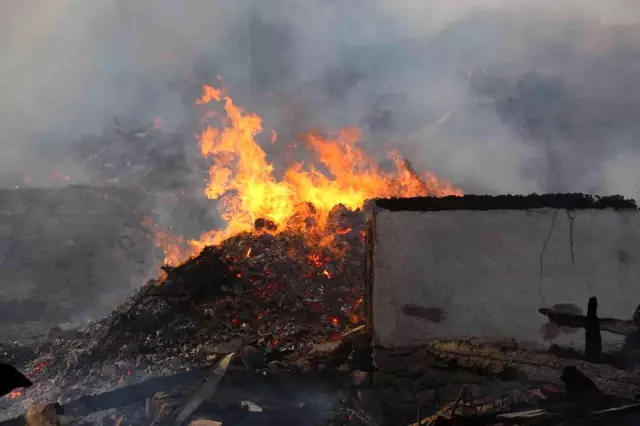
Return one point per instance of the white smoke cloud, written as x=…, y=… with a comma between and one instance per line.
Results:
x=69, y=66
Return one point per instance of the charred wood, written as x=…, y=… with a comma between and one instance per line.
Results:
x=611, y=325
x=203, y=392
x=593, y=339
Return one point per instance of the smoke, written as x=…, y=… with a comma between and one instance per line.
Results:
x=495, y=95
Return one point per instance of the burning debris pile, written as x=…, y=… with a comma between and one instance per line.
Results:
x=270, y=290
x=283, y=307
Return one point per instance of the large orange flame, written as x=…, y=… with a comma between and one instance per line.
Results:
x=243, y=181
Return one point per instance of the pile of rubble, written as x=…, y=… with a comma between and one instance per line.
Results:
x=281, y=305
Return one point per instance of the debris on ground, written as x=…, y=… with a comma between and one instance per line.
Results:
x=284, y=323
x=273, y=300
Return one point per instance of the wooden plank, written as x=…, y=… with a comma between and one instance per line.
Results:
x=202, y=393
x=611, y=325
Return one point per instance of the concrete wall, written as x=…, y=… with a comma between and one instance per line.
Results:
x=479, y=273
x=70, y=253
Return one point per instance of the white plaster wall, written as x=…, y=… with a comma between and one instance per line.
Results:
x=483, y=269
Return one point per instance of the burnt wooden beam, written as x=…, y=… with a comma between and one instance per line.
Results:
x=611, y=325
x=592, y=325
x=592, y=336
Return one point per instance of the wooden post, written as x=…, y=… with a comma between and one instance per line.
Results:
x=593, y=339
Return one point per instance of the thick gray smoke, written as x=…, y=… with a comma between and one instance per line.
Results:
x=495, y=95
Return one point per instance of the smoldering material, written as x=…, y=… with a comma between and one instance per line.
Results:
x=11, y=379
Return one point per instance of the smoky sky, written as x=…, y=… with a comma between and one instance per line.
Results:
x=496, y=96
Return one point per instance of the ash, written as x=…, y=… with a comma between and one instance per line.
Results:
x=284, y=307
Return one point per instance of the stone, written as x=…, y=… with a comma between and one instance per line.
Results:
x=272, y=367
x=324, y=348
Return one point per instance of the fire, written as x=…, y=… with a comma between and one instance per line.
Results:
x=16, y=394
x=344, y=231
x=315, y=260
x=242, y=179
x=210, y=94
x=171, y=246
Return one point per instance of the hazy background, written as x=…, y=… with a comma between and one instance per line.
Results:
x=495, y=95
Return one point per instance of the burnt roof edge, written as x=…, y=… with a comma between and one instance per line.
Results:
x=507, y=202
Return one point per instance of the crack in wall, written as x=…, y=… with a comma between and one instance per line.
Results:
x=571, y=219
x=546, y=242
x=544, y=249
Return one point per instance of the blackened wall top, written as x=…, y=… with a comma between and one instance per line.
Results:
x=507, y=202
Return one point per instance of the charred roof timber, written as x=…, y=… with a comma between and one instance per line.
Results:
x=507, y=202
